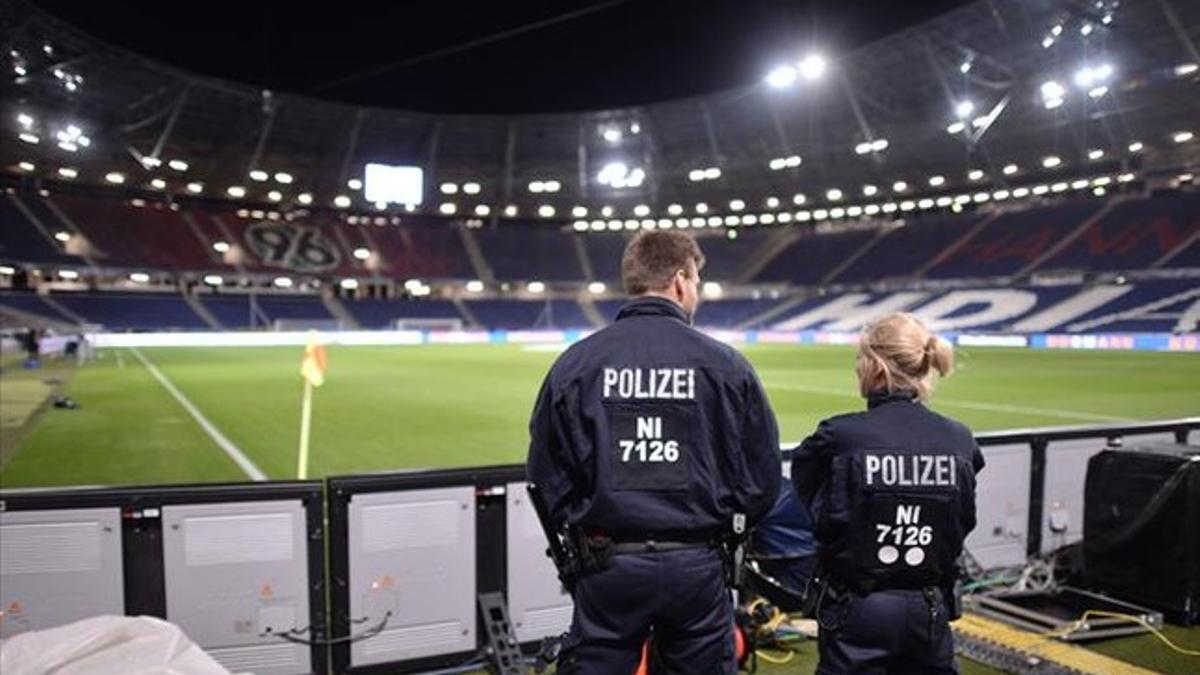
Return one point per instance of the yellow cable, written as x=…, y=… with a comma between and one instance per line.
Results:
x=773, y=659
x=1128, y=617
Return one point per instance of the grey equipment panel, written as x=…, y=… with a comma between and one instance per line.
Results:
x=412, y=553
x=235, y=572
x=1002, y=507
x=58, y=566
x=537, y=603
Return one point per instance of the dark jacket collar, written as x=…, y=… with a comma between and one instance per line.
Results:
x=649, y=305
x=881, y=396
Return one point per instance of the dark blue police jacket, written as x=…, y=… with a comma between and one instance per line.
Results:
x=650, y=427
x=891, y=491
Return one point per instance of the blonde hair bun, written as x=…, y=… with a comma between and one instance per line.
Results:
x=899, y=352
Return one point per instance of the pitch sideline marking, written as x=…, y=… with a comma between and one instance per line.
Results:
x=235, y=453
x=975, y=405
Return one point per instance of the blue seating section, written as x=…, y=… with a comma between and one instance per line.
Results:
x=133, y=311
x=20, y=241
x=604, y=252
x=1134, y=235
x=1162, y=319
x=810, y=258
x=521, y=252
x=728, y=258
x=1014, y=240
x=525, y=314
x=731, y=313
x=31, y=303
x=906, y=249
x=381, y=313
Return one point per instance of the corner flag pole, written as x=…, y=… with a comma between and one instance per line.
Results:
x=305, y=424
x=312, y=368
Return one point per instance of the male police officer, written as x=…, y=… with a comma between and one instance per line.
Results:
x=652, y=438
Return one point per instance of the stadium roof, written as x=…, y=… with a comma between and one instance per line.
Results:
x=1054, y=89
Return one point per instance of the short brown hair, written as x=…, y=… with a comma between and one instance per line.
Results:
x=652, y=258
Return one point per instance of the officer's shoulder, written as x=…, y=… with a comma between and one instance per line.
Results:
x=835, y=422
x=729, y=355
x=951, y=425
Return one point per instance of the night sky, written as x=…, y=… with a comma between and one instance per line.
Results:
x=601, y=54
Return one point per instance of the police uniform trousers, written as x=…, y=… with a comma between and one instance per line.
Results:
x=681, y=594
x=887, y=632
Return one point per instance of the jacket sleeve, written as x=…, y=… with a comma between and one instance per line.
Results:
x=810, y=463
x=760, y=449
x=967, y=497
x=550, y=464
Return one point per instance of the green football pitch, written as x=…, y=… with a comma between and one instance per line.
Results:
x=389, y=408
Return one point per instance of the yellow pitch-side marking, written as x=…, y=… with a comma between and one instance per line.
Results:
x=1044, y=647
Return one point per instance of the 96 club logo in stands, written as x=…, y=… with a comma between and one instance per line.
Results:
x=292, y=246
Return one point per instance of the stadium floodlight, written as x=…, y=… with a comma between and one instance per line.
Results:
x=1047, y=42
x=870, y=190
x=475, y=286
x=701, y=208
x=115, y=177
x=69, y=275
x=975, y=174
x=68, y=172
x=1098, y=92
x=772, y=202
x=349, y=284
x=1011, y=169
x=305, y=198
x=1136, y=146
x=26, y=166
x=899, y=186
x=354, y=184
x=26, y=120
x=750, y=219
x=963, y=109
x=597, y=287
x=341, y=202
x=1086, y=29
x=1020, y=193
x=259, y=175
x=235, y=191
x=799, y=198
x=733, y=221
x=546, y=211
x=471, y=188
x=362, y=253
x=606, y=211
x=1185, y=69
x=712, y=173
x=449, y=188
x=937, y=181
x=641, y=210
x=767, y=218
x=551, y=186
x=1000, y=195
x=535, y=287
x=782, y=77
x=813, y=66
x=612, y=135
x=394, y=184
x=1182, y=136
x=955, y=128
x=833, y=194
x=178, y=165
x=862, y=148
x=220, y=246
x=283, y=178
x=1079, y=184
x=1052, y=94
x=1101, y=181
x=1106, y=19
x=1125, y=178
x=482, y=210
x=737, y=205
x=1051, y=161
x=1060, y=186
x=777, y=164
x=151, y=162
x=1095, y=154
x=731, y=234
x=1039, y=190
x=139, y=277
x=62, y=236
x=675, y=209
x=447, y=208
x=282, y=282
x=879, y=145
x=7, y=270
x=195, y=188
x=213, y=279
x=29, y=138
x=275, y=196
x=1086, y=76
x=696, y=175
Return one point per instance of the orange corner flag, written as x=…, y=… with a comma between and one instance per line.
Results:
x=315, y=362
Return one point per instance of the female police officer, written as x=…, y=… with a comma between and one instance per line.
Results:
x=892, y=492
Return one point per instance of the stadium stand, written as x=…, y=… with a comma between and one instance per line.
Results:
x=32, y=303
x=382, y=313
x=809, y=259
x=522, y=314
x=604, y=252
x=122, y=235
x=524, y=251
x=904, y=250
x=1135, y=235
x=132, y=311
x=1014, y=240
x=728, y=258
x=21, y=240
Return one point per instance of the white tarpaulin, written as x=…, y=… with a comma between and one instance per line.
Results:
x=107, y=645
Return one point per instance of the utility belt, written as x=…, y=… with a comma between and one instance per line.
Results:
x=943, y=600
x=652, y=544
